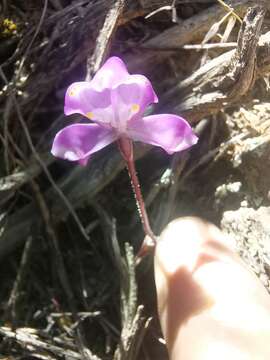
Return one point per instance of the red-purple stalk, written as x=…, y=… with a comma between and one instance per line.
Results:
x=126, y=149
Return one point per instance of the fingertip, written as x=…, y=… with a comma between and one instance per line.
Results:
x=184, y=241
x=180, y=244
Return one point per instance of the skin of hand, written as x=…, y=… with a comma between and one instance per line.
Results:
x=210, y=305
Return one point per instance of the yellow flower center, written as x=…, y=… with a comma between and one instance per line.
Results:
x=90, y=115
x=135, y=107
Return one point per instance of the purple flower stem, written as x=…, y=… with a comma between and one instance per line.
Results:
x=126, y=149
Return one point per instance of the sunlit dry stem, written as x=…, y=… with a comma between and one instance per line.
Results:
x=126, y=149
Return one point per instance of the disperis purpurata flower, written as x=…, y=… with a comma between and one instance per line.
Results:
x=115, y=102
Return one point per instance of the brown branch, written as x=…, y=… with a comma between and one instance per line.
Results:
x=104, y=38
x=225, y=79
x=189, y=31
x=195, y=27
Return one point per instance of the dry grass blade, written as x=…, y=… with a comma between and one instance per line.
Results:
x=29, y=340
x=230, y=10
x=133, y=321
x=212, y=32
x=230, y=25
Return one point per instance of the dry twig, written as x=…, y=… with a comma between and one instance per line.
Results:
x=223, y=80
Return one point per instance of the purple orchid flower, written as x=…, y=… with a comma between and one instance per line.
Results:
x=115, y=102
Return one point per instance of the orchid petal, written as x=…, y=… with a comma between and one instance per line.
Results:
x=78, y=141
x=171, y=132
x=130, y=99
x=137, y=89
x=112, y=73
x=112, y=98
x=81, y=98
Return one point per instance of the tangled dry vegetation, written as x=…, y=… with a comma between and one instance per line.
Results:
x=68, y=285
